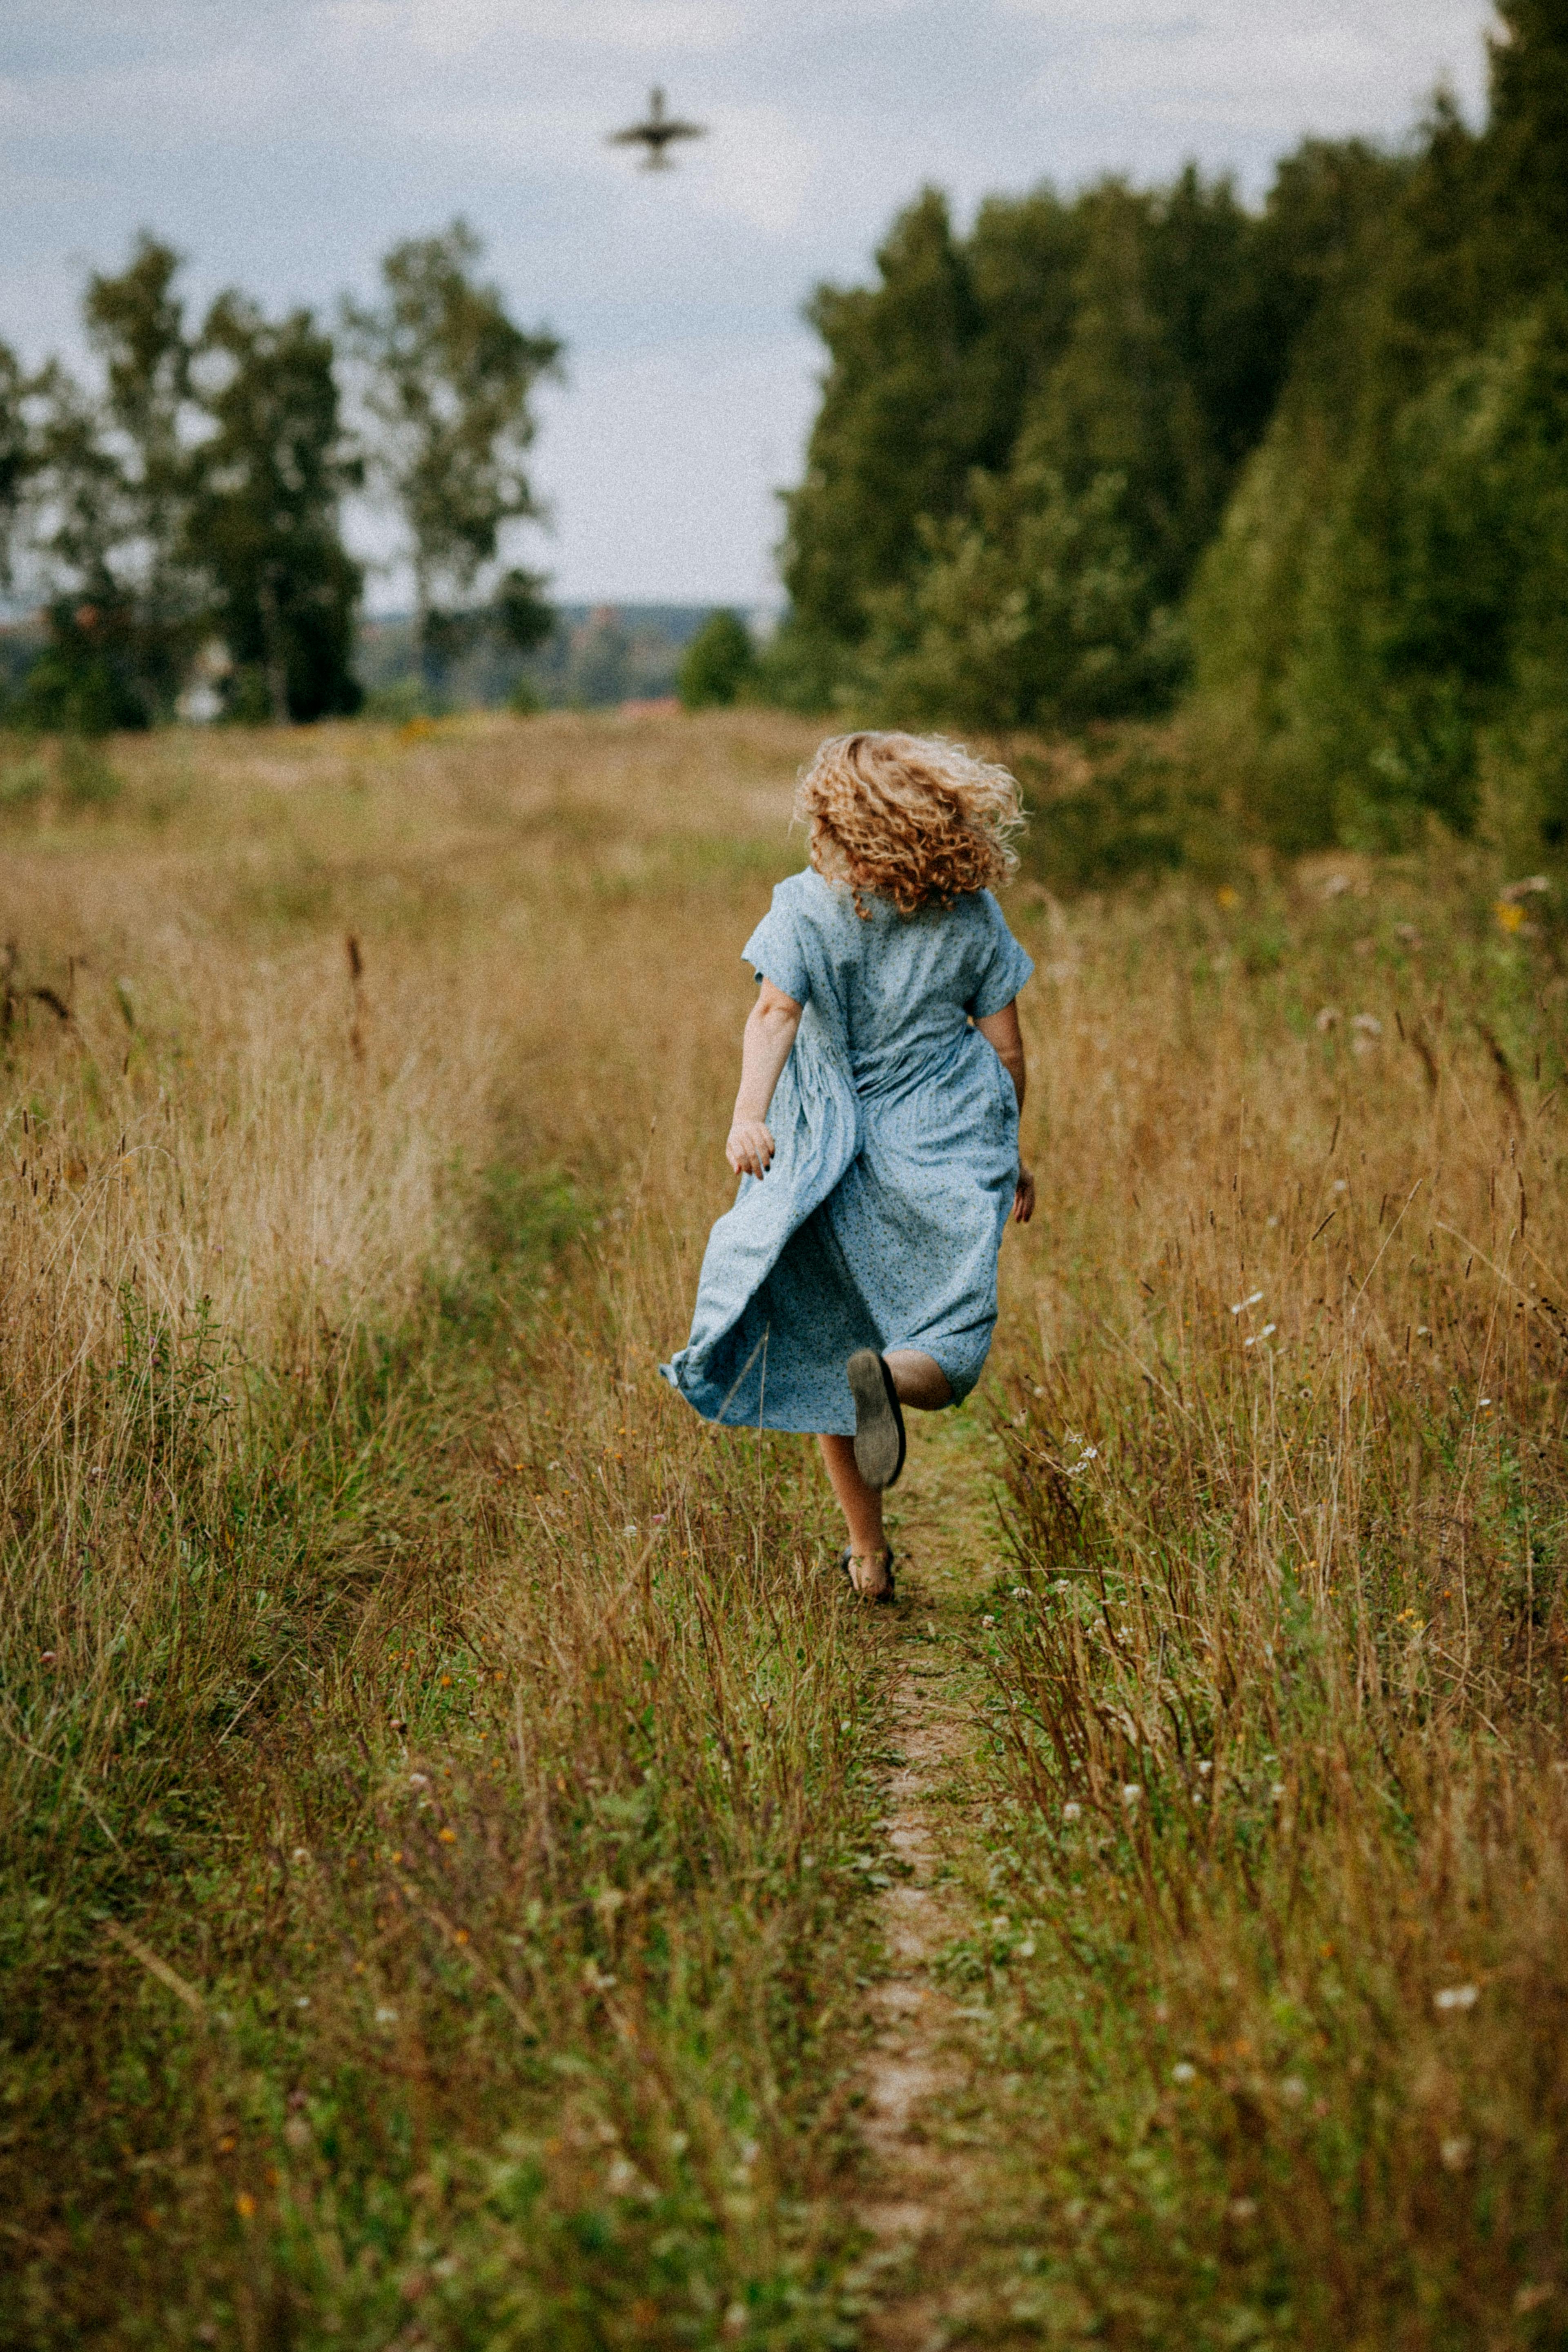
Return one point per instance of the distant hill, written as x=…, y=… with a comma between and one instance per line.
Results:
x=597, y=655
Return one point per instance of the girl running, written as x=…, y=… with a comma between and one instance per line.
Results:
x=876, y=1129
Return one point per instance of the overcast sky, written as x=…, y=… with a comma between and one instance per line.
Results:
x=282, y=144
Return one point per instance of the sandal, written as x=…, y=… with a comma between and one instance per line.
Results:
x=879, y=1418
x=846, y=1564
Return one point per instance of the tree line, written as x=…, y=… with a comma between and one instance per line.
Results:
x=191, y=496
x=1306, y=462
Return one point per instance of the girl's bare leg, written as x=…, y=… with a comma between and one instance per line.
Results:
x=923, y=1385
x=862, y=1508
x=919, y=1378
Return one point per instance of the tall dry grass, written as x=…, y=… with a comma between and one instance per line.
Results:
x=438, y=1788
x=431, y=1773
x=1279, y=1680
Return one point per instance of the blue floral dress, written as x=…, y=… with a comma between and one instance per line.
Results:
x=879, y=1220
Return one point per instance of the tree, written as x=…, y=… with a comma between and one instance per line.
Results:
x=1032, y=606
x=109, y=482
x=896, y=436
x=264, y=515
x=15, y=454
x=1381, y=617
x=1526, y=162
x=1116, y=357
x=449, y=382
x=718, y=662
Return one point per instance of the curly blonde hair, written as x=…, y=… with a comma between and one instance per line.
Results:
x=909, y=818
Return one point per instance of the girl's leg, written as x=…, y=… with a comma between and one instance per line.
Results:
x=922, y=1384
x=919, y=1378
x=862, y=1508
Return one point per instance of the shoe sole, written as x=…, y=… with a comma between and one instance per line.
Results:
x=879, y=1421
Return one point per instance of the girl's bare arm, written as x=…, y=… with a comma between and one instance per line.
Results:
x=1001, y=1031
x=765, y=1048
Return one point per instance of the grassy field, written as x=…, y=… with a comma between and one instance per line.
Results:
x=442, y=1794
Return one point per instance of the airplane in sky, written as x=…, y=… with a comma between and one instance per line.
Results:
x=657, y=134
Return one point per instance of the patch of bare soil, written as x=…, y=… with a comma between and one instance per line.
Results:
x=920, y=2185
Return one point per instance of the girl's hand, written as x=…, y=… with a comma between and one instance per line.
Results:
x=749, y=1148
x=1024, y=1198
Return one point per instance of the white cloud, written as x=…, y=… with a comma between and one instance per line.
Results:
x=284, y=146
x=460, y=29
x=758, y=167
x=684, y=447
x=1249, y=62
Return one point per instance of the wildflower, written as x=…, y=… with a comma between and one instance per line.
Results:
x=449, y=1837
x=1293, y=2090
x=1242, y=1304
x=1510, y=916
x=46, y=1658
x=1455, y=2153
x=1341, y=1185
x=1278, y=1790
x=245, y=2204
x=384, y=2016
x=1242, y=2209
x=302, y=2000
x=1227, y=895
x=1184, y=2073
x=1205, y=1767
x=1329, y=1017
x=302, y=1853
x=630, y=1528
x=1072, y=1813
x=1130, y=1793
x=1457, y=1996
x=659, y=1519
x=1368, y=1024
x=988, y=1621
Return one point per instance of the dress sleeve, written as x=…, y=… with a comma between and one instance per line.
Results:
x=1004, y=967
x=774, y=949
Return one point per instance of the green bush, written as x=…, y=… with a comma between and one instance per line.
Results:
x=22, y=784
x=87, y=780
x=718, y=663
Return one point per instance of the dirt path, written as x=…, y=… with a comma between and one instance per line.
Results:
x=918, y=2189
